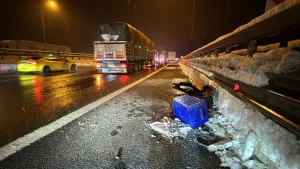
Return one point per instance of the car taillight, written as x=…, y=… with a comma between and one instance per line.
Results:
x=123, y=65
x=18, y=62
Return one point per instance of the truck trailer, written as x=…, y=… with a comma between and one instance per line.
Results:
x=121, y=48
x=171, y=56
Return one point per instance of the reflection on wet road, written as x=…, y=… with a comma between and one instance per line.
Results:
x=28, y=102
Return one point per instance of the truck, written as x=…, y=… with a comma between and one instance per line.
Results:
x=162, y=59
x=172, y=56
x=121, y=48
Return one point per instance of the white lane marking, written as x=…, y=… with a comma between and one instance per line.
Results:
x=28, y=139
x=171, y=68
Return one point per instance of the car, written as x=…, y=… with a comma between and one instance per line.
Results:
x=46, y=64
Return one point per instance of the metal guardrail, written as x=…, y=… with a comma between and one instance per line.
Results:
x=21, y=52
x=281, y=27
x=281, y=109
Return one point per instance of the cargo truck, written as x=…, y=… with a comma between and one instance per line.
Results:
x=162, y=59
x=172, y=56
x=121, y=48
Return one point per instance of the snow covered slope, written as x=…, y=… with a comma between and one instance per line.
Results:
x=251, y=70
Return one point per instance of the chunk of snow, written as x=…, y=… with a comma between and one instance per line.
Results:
x=178, y=80
x=249, y=146
x=171, y=128
x=253, y=164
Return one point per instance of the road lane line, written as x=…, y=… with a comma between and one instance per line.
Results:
x=30, y=138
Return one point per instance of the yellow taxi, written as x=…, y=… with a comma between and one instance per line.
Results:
x=46, y=64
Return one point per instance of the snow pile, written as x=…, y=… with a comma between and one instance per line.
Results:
x=171, y=128
x=251, y=70
x=251, y=137
x=85, y=63
x=8, y=68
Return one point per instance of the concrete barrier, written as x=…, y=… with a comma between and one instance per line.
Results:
x=9, y=65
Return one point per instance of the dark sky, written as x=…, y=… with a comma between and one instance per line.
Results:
x=166, y=22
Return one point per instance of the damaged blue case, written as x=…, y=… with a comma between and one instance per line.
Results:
x=191, y=110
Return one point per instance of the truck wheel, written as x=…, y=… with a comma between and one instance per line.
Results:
x=73, y=68
x=46, y=69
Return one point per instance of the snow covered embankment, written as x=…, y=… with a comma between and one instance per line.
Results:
x=251, y=70
x=8, y=66
x=11, y=66
x=250, y=133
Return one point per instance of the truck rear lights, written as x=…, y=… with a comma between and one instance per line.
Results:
x=119, y=53
x=123, y=65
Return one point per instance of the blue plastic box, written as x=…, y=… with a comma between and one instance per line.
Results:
x=191, y=110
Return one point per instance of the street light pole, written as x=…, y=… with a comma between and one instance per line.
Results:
x=193, y=20
x=43, y=25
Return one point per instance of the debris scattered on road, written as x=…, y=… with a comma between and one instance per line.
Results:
x=191, y=110
x=171, y=128
x=114, y=132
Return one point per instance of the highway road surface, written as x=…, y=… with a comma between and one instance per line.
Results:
x=29, y=101
x=114, y=134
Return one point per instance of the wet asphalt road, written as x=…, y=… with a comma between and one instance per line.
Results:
x=29, y=101
x=117, y=134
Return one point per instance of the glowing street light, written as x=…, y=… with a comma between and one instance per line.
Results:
x=51, y=4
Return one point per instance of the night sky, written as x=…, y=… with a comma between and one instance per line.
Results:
x=166, y=22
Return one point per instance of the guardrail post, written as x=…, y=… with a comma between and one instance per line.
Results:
x=216, y=52
x=228, y=50
x=252, y=48
x=208, y=54
x=283, y=41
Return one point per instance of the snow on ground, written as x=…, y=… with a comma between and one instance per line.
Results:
x=251, y=70
x=250, y=137
x=171, y=128
x=8, y=68
x=85, y=63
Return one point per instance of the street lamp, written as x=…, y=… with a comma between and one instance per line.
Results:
x=53, y=5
